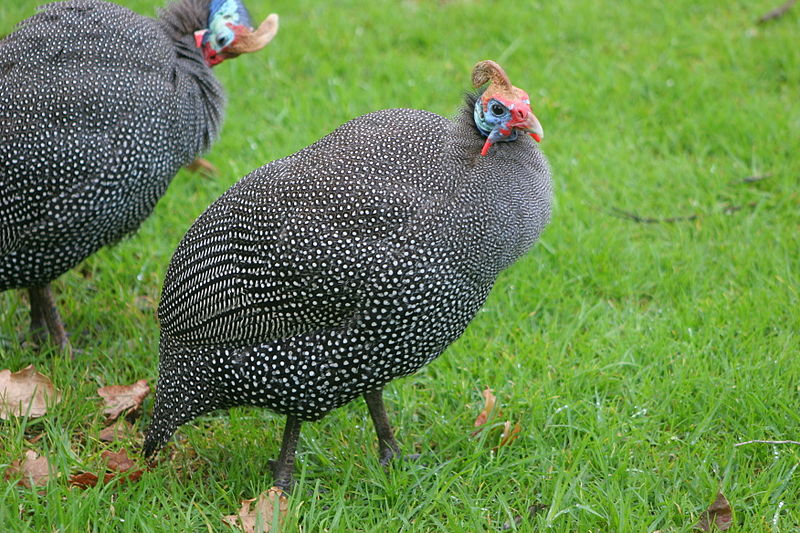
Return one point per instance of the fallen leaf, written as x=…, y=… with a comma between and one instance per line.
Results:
x=718, y=516
x=26, y=392
x=119, y=430
x=119, y=461
x=35, y=470
x=116, y=464
x=488, y=406
x=509, y=434
x=261, y=518
x=36, y=439
x=491, y=411
x=84, y=480
x=123, y=398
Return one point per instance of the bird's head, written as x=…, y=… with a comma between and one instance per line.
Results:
x=502, y=110
x=230, y=32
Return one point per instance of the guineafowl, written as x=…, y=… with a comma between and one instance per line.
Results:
x=99, y=108
x=325, y=275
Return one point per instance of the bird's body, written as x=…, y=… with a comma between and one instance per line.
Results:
x=99, y=108
x=325, y=275
x=91, y=135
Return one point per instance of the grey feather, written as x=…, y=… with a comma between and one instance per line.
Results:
x=99, y=108
x=328, y=273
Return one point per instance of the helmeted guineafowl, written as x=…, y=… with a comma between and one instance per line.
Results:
x=99, y=108
x=324, y=275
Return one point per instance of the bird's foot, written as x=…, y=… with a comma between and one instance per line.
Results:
x=388, y=451
x=39, y=340
x=387, y=455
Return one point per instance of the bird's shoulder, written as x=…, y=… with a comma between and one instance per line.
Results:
x=81, y=35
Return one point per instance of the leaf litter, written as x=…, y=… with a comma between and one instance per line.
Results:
x=119, y=430
x=26, y=393
x=491, y=412
x=117, y=466
x=35, y=470
x=262, y=517
x=121, y=399
x=718, y=516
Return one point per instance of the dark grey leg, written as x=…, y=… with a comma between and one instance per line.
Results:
x=38, y=329
x=283, y=468
x=388, y=448
x=45, y=314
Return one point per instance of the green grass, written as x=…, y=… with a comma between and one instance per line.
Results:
x=633, y=355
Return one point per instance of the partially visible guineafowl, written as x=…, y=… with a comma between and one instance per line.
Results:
x=327, y=274
x=99, y=108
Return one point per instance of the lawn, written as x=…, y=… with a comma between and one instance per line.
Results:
x=654, y=326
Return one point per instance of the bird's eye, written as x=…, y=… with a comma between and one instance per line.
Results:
x=221, y=41
x=497, y=109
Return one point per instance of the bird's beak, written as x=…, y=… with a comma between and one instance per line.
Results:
x=253, y=40
x=528, y=123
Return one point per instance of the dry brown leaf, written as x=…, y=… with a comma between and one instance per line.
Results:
x=116, y=463
x=84, y=480
x=26, y=392
x=491, y=410
x=119, y=461
x=35, y=470
x=119, y=430
x=123, y=398
x=718, y=516
x=509, y=434
x=489, y=401
x=260, y=519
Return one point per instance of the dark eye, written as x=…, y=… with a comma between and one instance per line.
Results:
x=497, y=109
x=221, y=41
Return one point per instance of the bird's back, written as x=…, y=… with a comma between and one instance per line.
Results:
x=302, y=243
x=379, y=222
x=91, y=133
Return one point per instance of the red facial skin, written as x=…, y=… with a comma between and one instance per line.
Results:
x=522, y=118
x=211, y=56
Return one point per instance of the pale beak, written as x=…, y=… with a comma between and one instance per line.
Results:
x=254, y=40
x=529, y=124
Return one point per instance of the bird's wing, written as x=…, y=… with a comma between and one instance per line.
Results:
x=283, y=253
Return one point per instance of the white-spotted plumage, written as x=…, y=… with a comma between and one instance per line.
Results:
x=99, y=108
x=325, y=275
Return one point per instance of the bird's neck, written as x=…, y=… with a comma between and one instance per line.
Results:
x=180, y=20
x=184, y=17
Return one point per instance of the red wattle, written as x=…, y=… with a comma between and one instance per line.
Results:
x=486, y=146
x=198, y=37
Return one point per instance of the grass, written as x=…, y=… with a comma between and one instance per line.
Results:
x=633, y=355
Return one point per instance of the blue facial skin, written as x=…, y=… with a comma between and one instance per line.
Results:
x=493, y=120
x=222, y=15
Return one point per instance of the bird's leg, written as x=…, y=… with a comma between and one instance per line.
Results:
x=388, y=447
x=44, y=314
x=38, y=329
x=283, y=468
